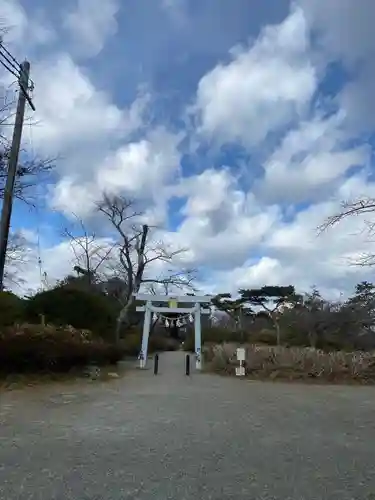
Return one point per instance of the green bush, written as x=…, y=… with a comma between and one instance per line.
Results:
x=79, y=308
x=11, y=309
x=34, y=348
x=132, y=342
x=214, y=335
x=263, y=337
x=159, y=343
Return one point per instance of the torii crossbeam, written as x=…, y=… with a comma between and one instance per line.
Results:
x=173, y=300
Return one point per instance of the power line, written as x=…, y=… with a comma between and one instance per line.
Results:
x=9, y=54
x=16, y=70
x=16, y=67
x=11, y=64
x=15, y=64
x=9, y=69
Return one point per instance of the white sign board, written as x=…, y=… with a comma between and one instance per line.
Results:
x=240, y=371
x=240, y=354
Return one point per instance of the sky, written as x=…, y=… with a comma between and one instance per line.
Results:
x=239, y=125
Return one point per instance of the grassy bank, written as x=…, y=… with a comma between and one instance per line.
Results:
x=301, y=364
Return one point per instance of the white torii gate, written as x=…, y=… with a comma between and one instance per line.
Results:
x=173, y=301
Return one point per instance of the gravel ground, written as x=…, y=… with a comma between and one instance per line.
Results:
x=176, y=437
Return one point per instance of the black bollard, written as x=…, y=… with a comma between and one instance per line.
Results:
x=187, y=365
x=156, y=364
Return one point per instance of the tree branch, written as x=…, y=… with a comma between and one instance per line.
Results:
x=349, y=209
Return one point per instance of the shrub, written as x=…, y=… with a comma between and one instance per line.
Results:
x=264, y=337
x=215, y=335
x=79, y=308
x=34, y=348
x=161, y=343
x=11, y=309
x=189, y=342
x=131, y=344
x=294, y=363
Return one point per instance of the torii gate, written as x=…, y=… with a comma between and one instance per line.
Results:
x=173, y=302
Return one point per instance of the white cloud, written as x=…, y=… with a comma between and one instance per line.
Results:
x=256, y=247
x=91, y=23
x=249, y=274
x=346, y=33
x=262, y=88
x=296, y=253
x=142, y=168
x=71, y=112
x=90, y=137
x=58, y=260
x=345, y=28
x=70, y=196
x=222, y=223
x=238, y=235
x=311, y=160
x=20, y=28
x=244, y=101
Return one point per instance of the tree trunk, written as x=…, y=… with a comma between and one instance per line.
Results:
x=123, y=318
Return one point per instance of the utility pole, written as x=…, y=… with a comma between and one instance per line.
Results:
x=6, y=211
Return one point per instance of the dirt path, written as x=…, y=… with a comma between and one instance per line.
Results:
x=174, y=437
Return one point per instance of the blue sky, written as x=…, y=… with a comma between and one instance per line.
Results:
x=238, y=125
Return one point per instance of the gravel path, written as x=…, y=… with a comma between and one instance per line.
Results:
x=174, y=437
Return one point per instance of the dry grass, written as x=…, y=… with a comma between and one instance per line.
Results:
x=285, y=363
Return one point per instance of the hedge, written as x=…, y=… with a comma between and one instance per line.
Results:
x=34, y=348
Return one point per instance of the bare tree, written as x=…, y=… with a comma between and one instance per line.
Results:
x=18, y=254
x=357, y=208
x=90, y=254
x=137, y=253
x=31, y=171
x=30, y=174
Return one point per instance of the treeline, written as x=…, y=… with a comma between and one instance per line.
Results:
x=278, y=315
x=76, y=323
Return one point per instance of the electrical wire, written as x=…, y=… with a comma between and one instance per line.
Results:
x=9, y=61
x=9, y=54
x=9, y=69
x=15, y=67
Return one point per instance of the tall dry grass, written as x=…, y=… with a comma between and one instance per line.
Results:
x=293, y=363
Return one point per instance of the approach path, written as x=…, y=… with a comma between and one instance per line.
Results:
x=175, y=437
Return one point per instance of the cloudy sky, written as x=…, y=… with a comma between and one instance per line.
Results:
x=239, y=124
